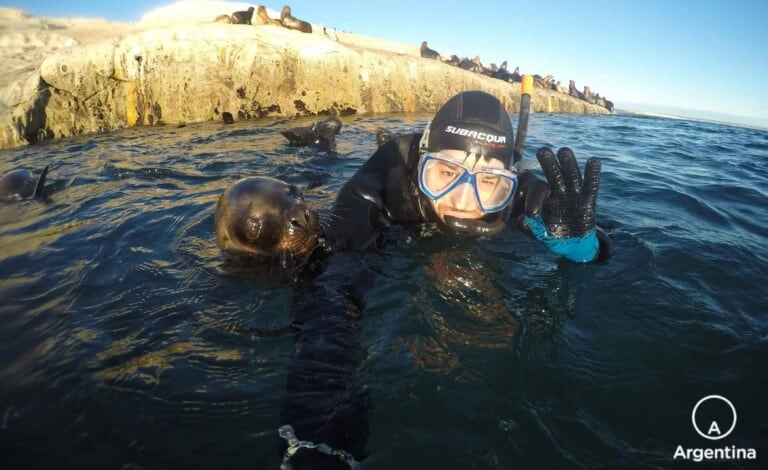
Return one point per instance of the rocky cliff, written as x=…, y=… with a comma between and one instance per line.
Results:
x=191, y=72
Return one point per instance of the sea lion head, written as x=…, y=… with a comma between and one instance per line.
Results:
x=263, y=218
x=285, y=12
x=22, y=184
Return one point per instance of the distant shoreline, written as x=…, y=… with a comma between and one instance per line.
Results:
x=717, y=118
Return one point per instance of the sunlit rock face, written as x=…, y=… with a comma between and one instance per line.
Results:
x=74, y=76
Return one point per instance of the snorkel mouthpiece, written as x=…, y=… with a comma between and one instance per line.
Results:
x=474, y=227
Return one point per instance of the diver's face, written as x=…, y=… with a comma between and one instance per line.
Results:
x=461, y=202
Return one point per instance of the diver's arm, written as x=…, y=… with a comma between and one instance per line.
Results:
x=325, y=403
x=356, y=217
x=561, y=214
x=361, y=210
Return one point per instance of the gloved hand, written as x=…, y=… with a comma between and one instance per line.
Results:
x=566, y=223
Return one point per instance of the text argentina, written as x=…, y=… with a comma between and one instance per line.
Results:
x=722, y=453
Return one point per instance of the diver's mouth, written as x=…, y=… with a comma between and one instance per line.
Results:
x=459, y=214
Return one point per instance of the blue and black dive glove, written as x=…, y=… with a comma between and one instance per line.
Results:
x=566, y=220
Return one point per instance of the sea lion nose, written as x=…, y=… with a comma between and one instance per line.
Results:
x=299, y=216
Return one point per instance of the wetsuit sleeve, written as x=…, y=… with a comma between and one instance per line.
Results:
x=374, y=198
x=325, y=401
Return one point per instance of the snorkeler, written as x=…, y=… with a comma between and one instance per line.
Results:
x=460, y=176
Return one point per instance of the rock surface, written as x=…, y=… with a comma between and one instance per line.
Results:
x=74, y=76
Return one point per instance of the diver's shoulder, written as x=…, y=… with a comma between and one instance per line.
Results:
x=404, y=146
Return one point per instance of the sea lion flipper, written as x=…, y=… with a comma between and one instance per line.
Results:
x=40, y=186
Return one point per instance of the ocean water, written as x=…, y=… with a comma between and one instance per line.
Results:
x=125, y=342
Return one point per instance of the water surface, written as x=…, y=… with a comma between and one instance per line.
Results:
x=124, y=343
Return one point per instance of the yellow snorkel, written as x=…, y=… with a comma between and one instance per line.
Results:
x=526, y=88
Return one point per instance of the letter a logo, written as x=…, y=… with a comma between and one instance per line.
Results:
x=721, y=405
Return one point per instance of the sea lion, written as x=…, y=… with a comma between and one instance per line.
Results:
x=290, y=22
x=22, y=184
x=320, y=135
x=261, y=218
x=471, y=65
x=330, y=34
x=543, y=82
x=262, y=17
x=223, y=19
x=428, y=53
x=502, y=73
x=383, y=136
x=227, y=117
x=242, y=17
x=572, y=90
x=454, y=60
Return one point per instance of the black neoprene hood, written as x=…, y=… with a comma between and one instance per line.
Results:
x=473, y=121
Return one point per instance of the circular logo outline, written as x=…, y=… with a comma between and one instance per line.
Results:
x=713, y=397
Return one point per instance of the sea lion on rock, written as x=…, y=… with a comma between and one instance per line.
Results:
x=223, y=19
x=293, y=23
x=454, y=60
x=263, y=218
x=573, y=91
x=22, y=184
x=243, y=17
x=320, y=135
x=428, y=53
x=262, y=17
x=502, y=73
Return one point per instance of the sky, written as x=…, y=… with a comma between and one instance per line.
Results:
x=648, y=55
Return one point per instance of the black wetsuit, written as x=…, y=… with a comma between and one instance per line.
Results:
x=324, y=400
x=385, y=192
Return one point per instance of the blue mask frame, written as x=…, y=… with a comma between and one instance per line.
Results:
x=468, y=176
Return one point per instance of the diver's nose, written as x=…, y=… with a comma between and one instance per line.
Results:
x=463, y=198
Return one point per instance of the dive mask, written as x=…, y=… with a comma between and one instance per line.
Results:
x=440, y=173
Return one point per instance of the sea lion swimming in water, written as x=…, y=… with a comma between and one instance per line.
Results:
x=321, y=135
x=293, y=23
x=262, y=218
x=383, y=136
x=22, y=184
x=243, y=17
